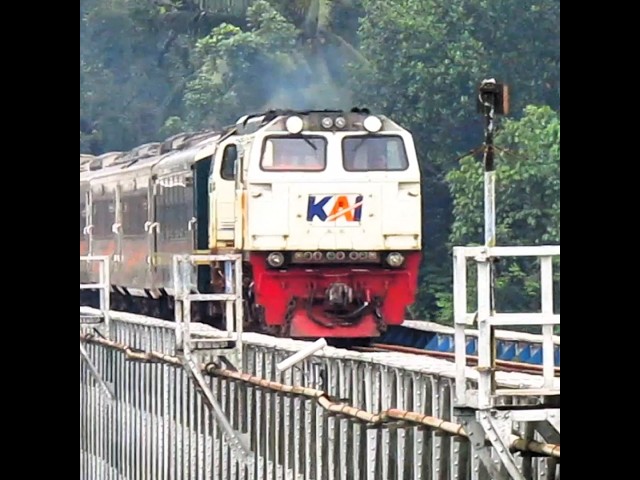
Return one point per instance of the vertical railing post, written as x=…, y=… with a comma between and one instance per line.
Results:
x=239, y=310
x=460, y=322
x=101, y=268
x=185, y=280
x=546, y=291
x=485, y=344
x=229, y=289
x=177, y=302
x=106, y=300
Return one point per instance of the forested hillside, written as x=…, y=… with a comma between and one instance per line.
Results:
x=151, y=68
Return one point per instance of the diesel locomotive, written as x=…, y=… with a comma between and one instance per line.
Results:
x=324, y=206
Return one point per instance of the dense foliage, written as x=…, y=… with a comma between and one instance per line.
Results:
x=151, y=68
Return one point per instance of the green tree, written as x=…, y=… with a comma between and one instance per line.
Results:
x=123, y=88
x=522, y=41
x=422, y=70
x=267, y=65
x=425, y=60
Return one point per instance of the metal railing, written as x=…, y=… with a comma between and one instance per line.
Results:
x=232, y=298
x=339, y=415
x=183, y=270
x=487, y=319
x=103, y=285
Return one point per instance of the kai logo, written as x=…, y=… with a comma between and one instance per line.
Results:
x=341, y=208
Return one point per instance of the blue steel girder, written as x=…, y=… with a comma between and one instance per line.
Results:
x=522, y=351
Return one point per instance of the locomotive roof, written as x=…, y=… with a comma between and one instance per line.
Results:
x=182, y=147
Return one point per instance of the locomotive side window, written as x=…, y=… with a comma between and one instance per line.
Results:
x=374, y=153
x=290, y=154
x=229, y=159
x=134, y=215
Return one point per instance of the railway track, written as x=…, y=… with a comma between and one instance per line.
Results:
x=502, y=365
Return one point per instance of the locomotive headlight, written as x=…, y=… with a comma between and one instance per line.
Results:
x=341, y=122
x=372, y=124
x=327, y=122
x=275, y=259
x=395, y=259
x=294, y=125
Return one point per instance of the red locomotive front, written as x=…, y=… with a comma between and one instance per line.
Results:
x=333, y=225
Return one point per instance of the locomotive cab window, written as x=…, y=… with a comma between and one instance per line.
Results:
x=374, y=153
x=229, y=162
x=291, y=154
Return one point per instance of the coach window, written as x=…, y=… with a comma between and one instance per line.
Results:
x=134, y=215
x=161, y=208
x=294, y=154
x=167, y=212
x=374, y=153
x=182, y=210
x=103, y=217
x=172, y=209
x=168, y=194
x=174, y=212
x=229, y=159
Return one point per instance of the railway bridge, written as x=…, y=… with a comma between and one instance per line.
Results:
x=181, y=400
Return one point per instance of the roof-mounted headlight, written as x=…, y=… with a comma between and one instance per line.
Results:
x=341, y=122
x=294, y=125
x=372, y=124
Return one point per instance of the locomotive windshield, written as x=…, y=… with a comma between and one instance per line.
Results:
x=374, y=153
x=294, y=154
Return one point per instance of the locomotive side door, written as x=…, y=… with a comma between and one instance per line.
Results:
x=222, y=191
x=200, y=229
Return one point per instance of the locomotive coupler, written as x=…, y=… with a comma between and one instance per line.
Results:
x=339, y=295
